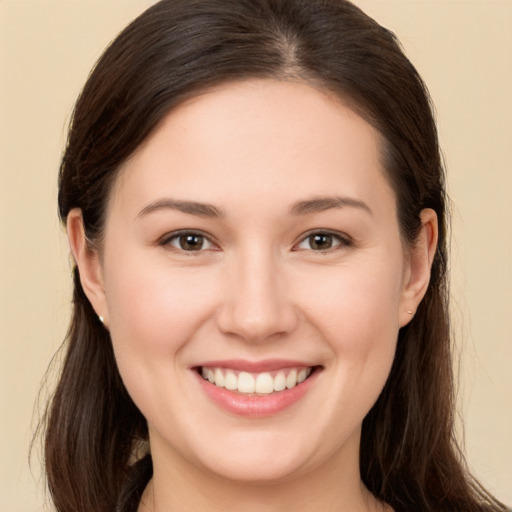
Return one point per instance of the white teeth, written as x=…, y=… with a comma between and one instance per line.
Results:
x=246, y=383
x=291, y=379
x=230, y=381
x=262, y=383
x=219, y=378
x=280, y=382
x=301, y=376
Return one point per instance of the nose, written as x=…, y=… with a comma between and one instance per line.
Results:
x=256, y=302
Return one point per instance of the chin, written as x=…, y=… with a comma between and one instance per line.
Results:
x=264, y=457
x=257, y=470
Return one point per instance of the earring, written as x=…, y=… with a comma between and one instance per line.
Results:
x=408, y=311
x=102, y=320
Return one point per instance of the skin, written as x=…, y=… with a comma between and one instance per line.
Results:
x=257, y=290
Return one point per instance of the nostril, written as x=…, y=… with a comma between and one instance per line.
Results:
x=256, y=326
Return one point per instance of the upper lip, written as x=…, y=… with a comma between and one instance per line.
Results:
x=267, y=365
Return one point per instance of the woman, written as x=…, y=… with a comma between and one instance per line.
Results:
x=254, y=199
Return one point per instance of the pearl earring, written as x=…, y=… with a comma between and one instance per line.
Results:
x=102, y=320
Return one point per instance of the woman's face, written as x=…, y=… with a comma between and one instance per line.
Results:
x=253, y=239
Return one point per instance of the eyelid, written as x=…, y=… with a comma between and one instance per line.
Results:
x=165, y=240
x=344, y=240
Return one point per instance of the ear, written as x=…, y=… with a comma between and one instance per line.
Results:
x=88, y=262
x=418, y=266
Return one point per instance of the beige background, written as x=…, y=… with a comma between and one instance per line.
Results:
x=464, y=51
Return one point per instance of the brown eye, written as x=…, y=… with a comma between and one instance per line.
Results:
x=322, y=242
x=189, y=242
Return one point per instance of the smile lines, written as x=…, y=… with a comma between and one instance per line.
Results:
x=260, y=383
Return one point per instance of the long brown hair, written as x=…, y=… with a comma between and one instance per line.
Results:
x=409, y=455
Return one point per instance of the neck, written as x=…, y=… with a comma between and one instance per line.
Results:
x=331, y=487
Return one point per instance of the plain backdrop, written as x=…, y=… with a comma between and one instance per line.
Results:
x=462, y=48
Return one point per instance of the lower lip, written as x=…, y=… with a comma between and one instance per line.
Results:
x=256, y=406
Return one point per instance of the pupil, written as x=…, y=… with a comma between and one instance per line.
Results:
x=320, y=242
x=191, y=242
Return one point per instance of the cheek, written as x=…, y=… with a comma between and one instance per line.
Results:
x=155, y=309
x=358, y=319
x=355, y=306
x=356, y=313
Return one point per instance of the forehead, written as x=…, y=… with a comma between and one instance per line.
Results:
x=257, y=140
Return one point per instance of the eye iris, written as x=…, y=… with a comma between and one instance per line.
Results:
x=321, y=241
x=191, y=242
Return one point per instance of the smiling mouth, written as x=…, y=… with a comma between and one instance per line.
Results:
x=256, y=384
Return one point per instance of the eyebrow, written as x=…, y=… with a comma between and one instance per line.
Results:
x=190, y=207
x=315, y=205
x=320, y=204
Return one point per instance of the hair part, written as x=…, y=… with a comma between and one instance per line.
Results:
x=173, y=51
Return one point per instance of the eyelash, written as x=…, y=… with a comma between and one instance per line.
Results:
x=176, y=235
x=342, y=241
